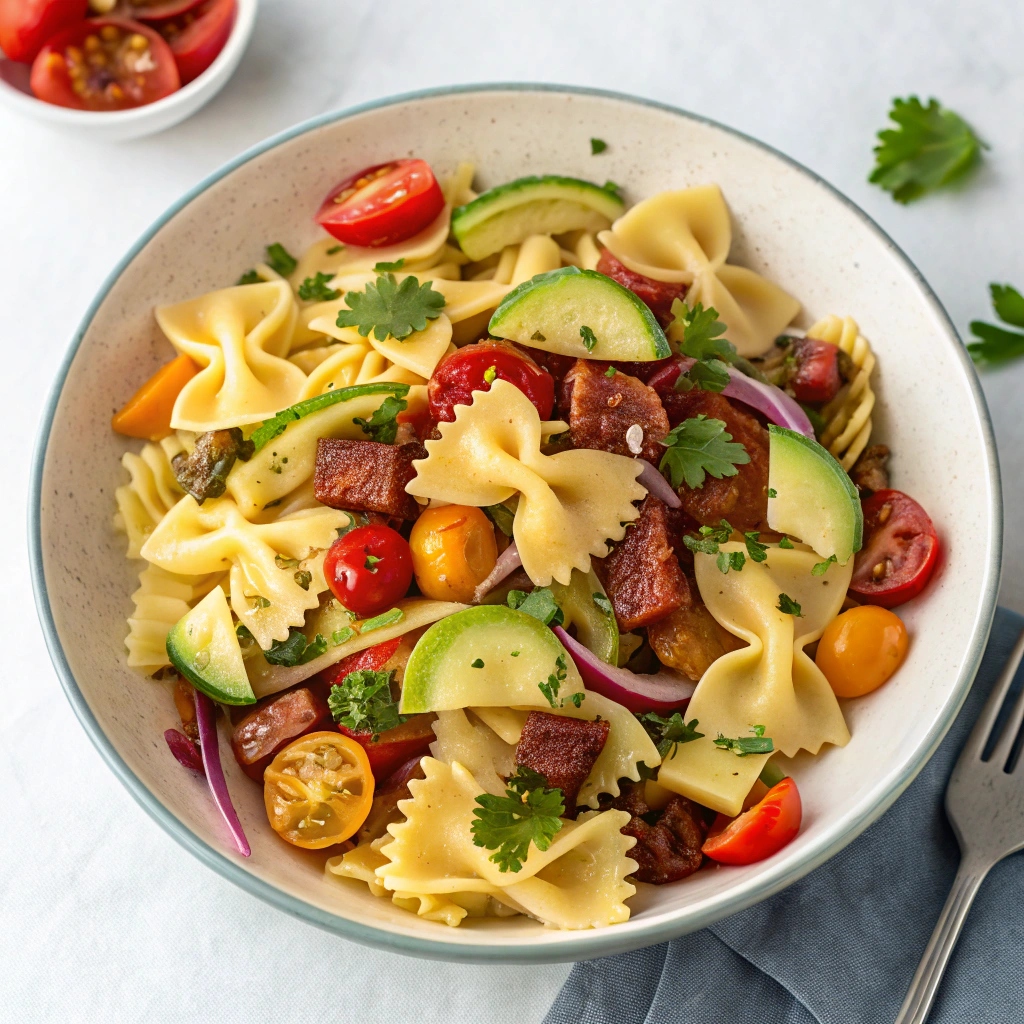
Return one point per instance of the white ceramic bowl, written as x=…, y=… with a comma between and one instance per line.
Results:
x=120, y=125
x=789, y=225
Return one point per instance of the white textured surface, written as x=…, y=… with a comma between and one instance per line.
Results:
x=104, y=916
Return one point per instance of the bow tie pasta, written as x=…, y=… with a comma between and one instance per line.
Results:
x=571, y=504
x=772, y=682
x=193, y=540
x=685, y=236
x=240, y=336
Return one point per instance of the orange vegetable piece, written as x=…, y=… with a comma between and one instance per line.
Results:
x=147, y=414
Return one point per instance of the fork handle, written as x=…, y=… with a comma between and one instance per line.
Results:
x=925, y=985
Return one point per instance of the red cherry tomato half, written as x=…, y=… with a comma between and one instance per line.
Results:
x=154, y=10
x=198, y=36
x=659, y=295
x=105, y=64
x=900, y=550
x=382, y=205
x=394, y=747
x=760, y=832
x=373, y=658
x=369, y=569
x=474, y=367
x=816, y=377
x=25, y=25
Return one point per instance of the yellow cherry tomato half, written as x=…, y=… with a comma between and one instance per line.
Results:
x=860, y=649
x=318, y=790
x=453, y=551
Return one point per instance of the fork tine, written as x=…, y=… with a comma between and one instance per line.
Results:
x=1004, y=746
x=987, y=719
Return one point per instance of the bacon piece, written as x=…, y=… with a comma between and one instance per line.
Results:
x=689, y=639
x=642, y=574
x=563, y=750
x=869, y=472
x=275, y=722
x=659, y=295
x=366, y=476
x=602, y=409
x=741, y=499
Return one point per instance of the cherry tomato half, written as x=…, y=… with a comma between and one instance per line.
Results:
x=658, y=295
x=900, y=550
x=861, y=649
x=474, y=367
x=453, y=551
x=105, y=64
x=25, y=25
x=760, y=832
x=394, y=747
x=382, y=205
x=369, y=569
x=197, y=36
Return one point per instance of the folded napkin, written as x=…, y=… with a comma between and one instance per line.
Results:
x=841, y=945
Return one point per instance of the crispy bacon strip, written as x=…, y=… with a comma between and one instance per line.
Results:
x=366, y=476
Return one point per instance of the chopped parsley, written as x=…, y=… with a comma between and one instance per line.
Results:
x=931, y=147
x=730, y=560
x=537, y=336
x=610, y=372
x=785, y=542
x=334, y=250
x=293, y=651
x=613, y=187
x=477, y=664
x=758, y=743
x=597, y=146
x=489, y=374
x=820, y=568
x=340, y=636
x=250, y=277
x=554, y=682
x=280, y=260
x=388, y=618
x=502, y=516
x=788, y=606
x=303, y=578
x=602, y=602
x=386, y=268
x=371, y=563
x=314, y=289
x=772, y=493
x=529, y=812
x=389, y=308
x=702, y=341
x=539, y=603
x=698, y=446
x=514, y=654
x=756, y=551
x=382, y=426
x=668, y=733
x=996, y=344
x=362, y=702
x=589, y=338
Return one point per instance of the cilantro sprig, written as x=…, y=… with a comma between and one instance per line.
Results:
x=382, y=426
x=389, y=308
x=698, y=446
x=741, y=746
x=668, y=733
x=362, y=702
x=996, y=344
x=931, y=147
x=528, y=813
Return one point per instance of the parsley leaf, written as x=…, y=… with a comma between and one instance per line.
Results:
x=363, y=701
x=820, y=568
x=388, y=618
x=744, y=745
x=756, y=551
x=611, y=186
x=293, y=651
x=698, y=446
x=597, y=146
x=702, y=341
x=384, y=268
x=785, y=542
x=730, y=560
x=502, y=516
x=382, y=426
x=772, y=493
x=539, y=603
x=610, y=372
x=554, y=682
x=389, y=308
x=788, y=606
x=931, y=147
x=528, y=813
x=279, y=259
x=314, y=289
x=589, y=338
x=371, y=562
x=995, y=344
x=478, y=663
x=601, y=601
x=710, y=538
x=303, y=578
x=668, y=733
x=334, y=250
x=249, y=277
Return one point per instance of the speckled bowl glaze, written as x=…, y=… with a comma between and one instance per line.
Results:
x=788, y=224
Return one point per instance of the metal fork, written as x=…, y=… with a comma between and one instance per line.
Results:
x=985, y=806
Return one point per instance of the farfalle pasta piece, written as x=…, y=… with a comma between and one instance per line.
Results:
x=240, y=337
x=266, y=596
x=578, y=882
x=772, y=682
x=685, y=236
x=150, y=494
x=471, y=743
x=570, y=504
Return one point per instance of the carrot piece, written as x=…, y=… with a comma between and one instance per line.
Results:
x=147, y=414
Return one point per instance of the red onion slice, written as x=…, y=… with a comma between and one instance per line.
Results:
x=508, y=561
x=184, y=751
x=215, y=772
x=657, y=485
x=663, y=692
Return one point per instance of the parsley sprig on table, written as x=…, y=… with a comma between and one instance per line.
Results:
x=668, y=733
x=389, y=308
x=529, y=812
x=996, y=344
x=382, y=426
x=698, y=446
x=362, y=701
x=931, y=147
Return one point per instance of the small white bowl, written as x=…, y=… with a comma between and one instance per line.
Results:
x=120, y=125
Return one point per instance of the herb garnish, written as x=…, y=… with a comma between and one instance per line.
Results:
x=756, y=551
x=371, y=563
x=589, y=338
x=528, y=813
x=539, y=603
x=788, y=606
x=597, y=146
x=303, y=578
x=744, y=745
x=668, y=733
x=697, y=446
x=610, y=372
x=611, y=186
x=602, y=602
x=995, y=344
x=502, y=516
x=554, y=682
x=931, y=147
x=384, y=268
x=340, y=636
x=387, y=618
x=363, y=701
x=334, y=250
x=702, y=341
x=293, y=651
x=314, y=289
x=478, y=663
x=772, y=493
x=820, y=568
x=389, y=308
x=382, y=426
x=250, y=277
x=280, y=260
x=785, y=542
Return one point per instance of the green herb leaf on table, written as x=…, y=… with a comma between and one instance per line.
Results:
x=820, y=568
x=280, y=260
x=385, y=268
x=742, y=746
x=930, y=147
x=589, y=338
x=389, y=308
x=528, y=813
x=539, y=603
x=362, y=701
x=314, y=289
x=382, y=426
x=698, y=446
x=996, y=344
x=668, y=733
x=788, y=606
x=597, y=146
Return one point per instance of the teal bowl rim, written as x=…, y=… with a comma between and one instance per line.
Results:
x=587, y=945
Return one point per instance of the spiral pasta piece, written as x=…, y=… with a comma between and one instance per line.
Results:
x=150, y=494
x=847, y=417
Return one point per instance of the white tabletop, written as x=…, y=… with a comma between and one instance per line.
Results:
x=102, y=915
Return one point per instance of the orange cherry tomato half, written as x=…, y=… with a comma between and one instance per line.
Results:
x=861, y=649
x=318, y=790
x=382, y=205
x=760, y=832
x=453, y=551
x=147, y=413
x=198, y=36
x=105, y=64
x=25, y=25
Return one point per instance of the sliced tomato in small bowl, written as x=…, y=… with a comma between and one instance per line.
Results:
x=382, y=205
x=105, y=64
x=26, y=25
x=197, y=36
x=900, y=550
x=760, y=832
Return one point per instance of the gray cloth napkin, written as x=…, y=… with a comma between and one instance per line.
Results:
x=841, y=945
